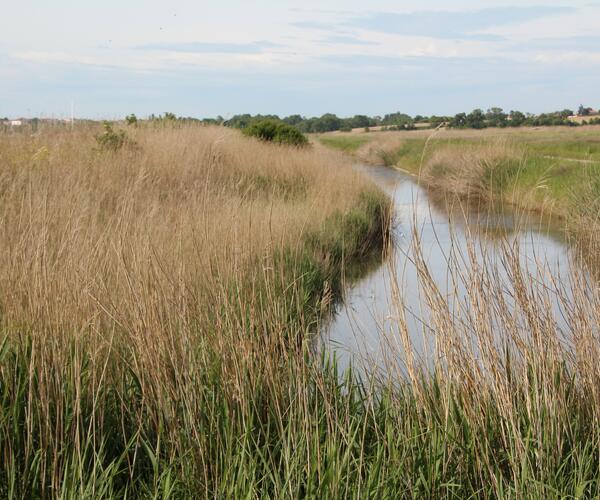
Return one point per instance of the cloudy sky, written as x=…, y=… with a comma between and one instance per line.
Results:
x=203, y=58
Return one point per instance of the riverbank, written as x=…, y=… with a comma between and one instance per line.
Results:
x=159, y=301
x=161, y=293
x=549, y=171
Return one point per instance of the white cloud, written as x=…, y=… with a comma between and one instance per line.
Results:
x=568, y=57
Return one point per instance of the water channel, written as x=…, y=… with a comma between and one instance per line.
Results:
x=363, y=331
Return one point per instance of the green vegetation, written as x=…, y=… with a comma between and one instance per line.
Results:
x=496, y=117
x=161, y=307
x=540, y=170
x=346, y=143
x=131, y=119
x=476, y=119
x=273, y=131
x=109, y=140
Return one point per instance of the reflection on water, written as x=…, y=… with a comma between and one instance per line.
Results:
x=364, y=328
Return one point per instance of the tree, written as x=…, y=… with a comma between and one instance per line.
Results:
x=459, y=121
x=496, y=117
x=565, y=113
x=359, y=121
x=396, y=119
x=293, y=120
x=517, y=118
x=583, y=111
x=476, y=119
x=327, y=123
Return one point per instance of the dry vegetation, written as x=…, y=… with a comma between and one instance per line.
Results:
x=157, y=309
x=85, y=232
x=474, y=172
x=138, y=286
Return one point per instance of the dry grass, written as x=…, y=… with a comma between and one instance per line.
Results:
x=157, y=305
x=84, y=232
x=375, y=151
x=132, y=282
x=472, y=172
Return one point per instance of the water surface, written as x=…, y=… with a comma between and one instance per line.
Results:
x=364, y=329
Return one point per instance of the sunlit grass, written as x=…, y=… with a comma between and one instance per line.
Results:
x=159, y=313
x=347, y=143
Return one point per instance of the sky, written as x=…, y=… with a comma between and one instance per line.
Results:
x=206, y=58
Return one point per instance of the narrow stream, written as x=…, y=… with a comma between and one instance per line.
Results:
x=363, y=330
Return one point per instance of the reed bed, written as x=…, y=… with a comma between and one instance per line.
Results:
x=154, y=295
x=159, y=308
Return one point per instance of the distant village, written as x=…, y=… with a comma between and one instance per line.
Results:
x=18, y=122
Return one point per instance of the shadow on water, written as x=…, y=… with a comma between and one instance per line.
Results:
x=363, y=329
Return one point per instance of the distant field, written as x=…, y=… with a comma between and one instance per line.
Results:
x=582, y=119
x=346, y=143
x=540, y=167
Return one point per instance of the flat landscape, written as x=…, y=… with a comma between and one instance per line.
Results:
x=299, y=250
x=550, y=169
x=165, y=286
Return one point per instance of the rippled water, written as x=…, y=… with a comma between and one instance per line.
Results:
x=364, y=328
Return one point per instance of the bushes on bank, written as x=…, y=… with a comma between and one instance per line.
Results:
x=278, y=132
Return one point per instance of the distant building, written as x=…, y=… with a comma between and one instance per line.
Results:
x=587, y=111
x=15, y=123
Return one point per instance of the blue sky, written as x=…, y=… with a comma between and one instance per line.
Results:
x=201, y=58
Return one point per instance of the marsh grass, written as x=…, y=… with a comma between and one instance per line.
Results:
x=159, y=311
x=540, y=169
x=346, y=143
x=158, y=301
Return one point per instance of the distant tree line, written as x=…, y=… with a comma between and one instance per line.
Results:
x=476, y=119
x=496, y=117
x=329, y=122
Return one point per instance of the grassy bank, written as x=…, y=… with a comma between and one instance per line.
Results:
x=159, y=302
x=346, y=143
x=554, y=171
x=158, y=311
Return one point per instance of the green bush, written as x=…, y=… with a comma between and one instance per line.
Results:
x=274, y=131
x=131, y=119
x=109, y=140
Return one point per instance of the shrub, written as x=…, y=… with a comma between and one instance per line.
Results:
x=273, y=131
x=109, y=140
x=131, y=119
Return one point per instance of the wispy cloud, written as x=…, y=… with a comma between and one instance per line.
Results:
x=314, y=25
x=212, y=48
x=578, y=43
x=463, y=25
x=346, y=40
x=453, y=24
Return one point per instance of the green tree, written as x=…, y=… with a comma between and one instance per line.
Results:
x=276, y=131
x=517, y=118
x=459, y=121
x=476, y=119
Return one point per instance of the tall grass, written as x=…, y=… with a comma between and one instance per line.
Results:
x=479, y=171
x=157, y=303
x=159, y=306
